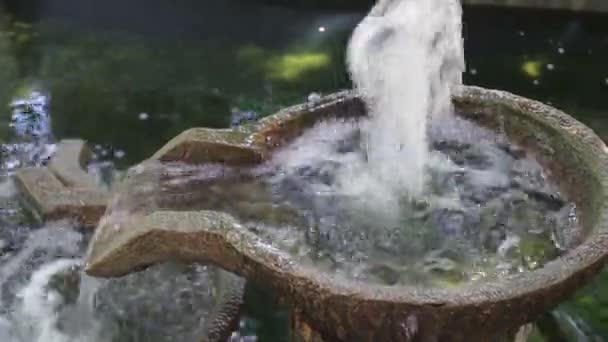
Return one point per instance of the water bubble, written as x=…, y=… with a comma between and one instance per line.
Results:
x=143, y=116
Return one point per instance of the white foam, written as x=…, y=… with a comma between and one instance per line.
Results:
x=403, y=58
x=35, y=317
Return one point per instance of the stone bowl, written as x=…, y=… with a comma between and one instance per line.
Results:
x=349, y=311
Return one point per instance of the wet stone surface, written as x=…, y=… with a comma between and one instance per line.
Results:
x=489, y=209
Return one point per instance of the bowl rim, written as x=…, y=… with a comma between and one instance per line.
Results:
x=257, y=139
x=592, y=250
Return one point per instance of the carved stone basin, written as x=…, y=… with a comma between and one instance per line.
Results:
x=349, y=311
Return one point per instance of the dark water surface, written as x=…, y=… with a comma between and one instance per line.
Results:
x=128, y=76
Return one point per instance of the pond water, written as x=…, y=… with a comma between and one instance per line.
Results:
x=128, y=77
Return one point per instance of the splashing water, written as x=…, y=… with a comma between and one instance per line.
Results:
x=31, y=125
x=44, y=295
x=404, y=57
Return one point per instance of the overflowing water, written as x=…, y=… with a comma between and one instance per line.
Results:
x=489, y=211
x=44, y=295
x=404, y=57
x=49, y=299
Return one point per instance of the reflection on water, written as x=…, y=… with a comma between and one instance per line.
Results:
x=129, y=76
x=147, y=80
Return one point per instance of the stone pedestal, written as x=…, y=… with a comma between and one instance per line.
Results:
x=350, y=311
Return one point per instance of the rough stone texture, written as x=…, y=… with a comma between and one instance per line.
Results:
x=52, y=201
x=199, y=145
x=301, y=331
x=68, y=164
x=344, y=310
x=63, y=189
x=228, y=307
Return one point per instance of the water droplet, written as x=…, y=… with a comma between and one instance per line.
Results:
x=536, y=82
x=143, y=116
x=550, y=66
x=522, y=33
x=606, y=80
x=473, y=71
x=561, y=51
x=314, y=97
x=321, y=29
x=119, y=154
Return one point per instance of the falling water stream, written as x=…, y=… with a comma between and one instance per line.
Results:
x=404, y=58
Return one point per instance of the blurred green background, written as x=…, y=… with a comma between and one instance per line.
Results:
x=129, y=75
